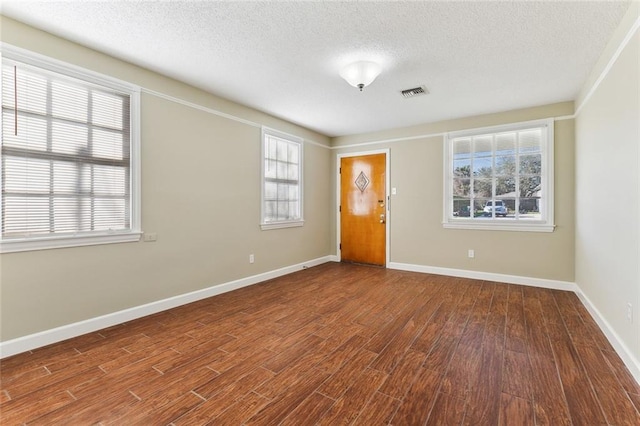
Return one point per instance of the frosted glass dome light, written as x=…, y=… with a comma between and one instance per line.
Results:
x=361, y=74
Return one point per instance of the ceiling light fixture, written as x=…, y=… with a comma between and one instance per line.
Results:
x=360, y=74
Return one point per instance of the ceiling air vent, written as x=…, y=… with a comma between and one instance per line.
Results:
x=416, y=91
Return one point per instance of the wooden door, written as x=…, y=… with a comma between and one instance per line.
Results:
x=363, y=209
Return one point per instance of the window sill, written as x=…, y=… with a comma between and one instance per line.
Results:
x=497, y=226
x=45, y=243
x=280, y=225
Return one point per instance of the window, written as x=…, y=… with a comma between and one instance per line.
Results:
x=281, y=180
x=69, y=164
x=500, y=178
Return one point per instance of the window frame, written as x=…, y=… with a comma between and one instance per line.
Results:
x=84, y=238
x=264, y=224
x=546, y=223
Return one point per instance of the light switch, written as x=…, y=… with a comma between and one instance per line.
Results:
x=393, y=191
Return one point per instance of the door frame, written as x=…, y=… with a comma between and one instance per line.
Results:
x=339, y=158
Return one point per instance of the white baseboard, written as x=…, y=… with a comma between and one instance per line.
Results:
x=58, y=334
x=487, y=276
x=623, y=351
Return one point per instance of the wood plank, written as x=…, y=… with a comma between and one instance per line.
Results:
x=241, y=410
x=379, y=410
x=515, y=411
x=233, y=374
x=309, y=410
x=280, y=407
x=617, y=410
x=224, y=398
x=515, y=338
x=447, y=410
x=340, y=381
x=348, y=407
x=583, y=403
x=516, y=378
x=22, y=410
x=419, y=400
x=290, y=355
x=398, y=382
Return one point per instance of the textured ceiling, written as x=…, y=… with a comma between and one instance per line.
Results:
x=284, y=57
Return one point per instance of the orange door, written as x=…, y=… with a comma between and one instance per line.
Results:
x=363, y=209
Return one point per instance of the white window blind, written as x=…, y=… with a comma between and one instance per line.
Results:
x=66, y=156
x=281, y=180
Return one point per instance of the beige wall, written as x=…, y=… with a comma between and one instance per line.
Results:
x=200, y=194
x=417, y=236
x=608, y=189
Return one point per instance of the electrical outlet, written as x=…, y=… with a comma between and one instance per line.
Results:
x=471, y=254
x=150, y=237
x=252, y=258
x=630, y=312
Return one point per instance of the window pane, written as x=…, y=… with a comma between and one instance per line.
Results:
x=270, y=210
x=270, y=169
x=68, y=178
x=281, y=151
x=109, y=180
x=293, y=210
x=482, y=188
x=530, y=141
x=26, y=215
x=462, y=168
x=283, y=210
x=292, y=153
x=67, y=138
x=506, y=165
x=293, y=192
x=110, y=213
x=32, y=89
x=293, y=172
x=505, y=186
x=506, y=144
x=462, y=148
x=107, y=110
x=35, y=138
x=531, y=164
x=69, y=101
x=482, y=167
x=478, y=208
x=272, y=148
x=26, y=175
x=482, y=146
x=107, y=144
x=530, y=209
x=531, y=186
x=461, y=187
x=283, y=191
x=281, y=170
x=270, y=191
x=462, y=207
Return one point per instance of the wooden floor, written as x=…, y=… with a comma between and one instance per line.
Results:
x=336, y=344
